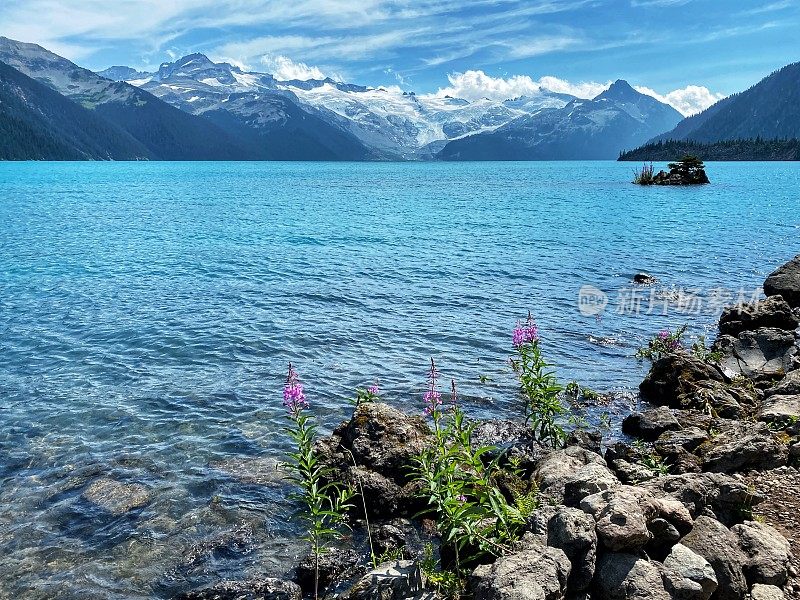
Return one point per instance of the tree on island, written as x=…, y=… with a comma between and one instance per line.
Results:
x=690, y=169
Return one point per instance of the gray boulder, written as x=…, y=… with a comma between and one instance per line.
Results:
x=719, y=399
x=676, y=374
x=766, y=592
x=336, y=564
x=714, y=542
x=631, y=472
x=767, y=553
x=785, y=281
x=771, y=312
x=745, y=446
x=557, y=466
x=689, y=576
x=672, y=443
x=780, y=409
x=700, y=493
x=626, y=576
x=788, y=386
x=385, y=440
x=621, y=517
x=400, y=580
x=763, y=354
x=651, y=423
x=573, y=531
x=537, y=572
x=265, y=588
x=586, y=481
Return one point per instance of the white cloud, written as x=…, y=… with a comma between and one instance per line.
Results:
x=688, y=101
x=285, y=69
x=584, y=89
x=472, y=85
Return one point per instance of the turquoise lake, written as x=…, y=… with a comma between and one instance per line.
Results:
x=148, y=312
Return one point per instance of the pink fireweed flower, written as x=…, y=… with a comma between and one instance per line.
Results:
x=663, y=334
x=462, y=498
x=374, y=390
x=432, y=397
x=525, y=333
x=293, y=397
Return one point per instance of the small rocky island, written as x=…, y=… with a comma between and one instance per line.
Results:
x=689, y=170
x=700, y=500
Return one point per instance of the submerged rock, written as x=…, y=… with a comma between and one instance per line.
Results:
x=254, y=470
x=116, y=497
x=254, y=589
x=785, y=281
x=644, y=279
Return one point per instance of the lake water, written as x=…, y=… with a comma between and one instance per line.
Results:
x=148, y=312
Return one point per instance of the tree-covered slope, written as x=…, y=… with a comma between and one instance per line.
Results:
x=768, y=110
x=38, y=123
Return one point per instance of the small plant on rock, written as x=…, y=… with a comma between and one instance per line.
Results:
x=644, y=176
x=665, y=343
x=324, y=503
x=538, y=384
x=701, y=351
x=370, y=394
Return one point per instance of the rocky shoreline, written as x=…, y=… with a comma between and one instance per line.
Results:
x=702, y=500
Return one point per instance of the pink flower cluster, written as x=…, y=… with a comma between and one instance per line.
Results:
x=526, y=332
x=293, y=397
x=374, y=390
x=432, y=397
x=664, y=336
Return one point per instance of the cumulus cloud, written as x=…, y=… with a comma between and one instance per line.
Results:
x=688, y=101
x=473, y=85
x=285, y=69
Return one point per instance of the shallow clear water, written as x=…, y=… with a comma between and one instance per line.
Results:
x=148, y=311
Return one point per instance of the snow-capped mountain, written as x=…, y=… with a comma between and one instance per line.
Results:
x=395, y=124
x=165, y=132
x=119, y=73
x=194, y=108
x=618, y=118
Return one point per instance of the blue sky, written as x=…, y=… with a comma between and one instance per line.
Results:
x=723, y=46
